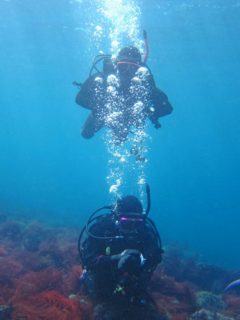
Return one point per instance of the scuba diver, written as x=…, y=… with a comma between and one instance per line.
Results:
x=119, y=250
x=121, y=95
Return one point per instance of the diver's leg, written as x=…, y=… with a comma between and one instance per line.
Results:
x=91, y=126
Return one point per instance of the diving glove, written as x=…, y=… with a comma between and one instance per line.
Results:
x=130, y=261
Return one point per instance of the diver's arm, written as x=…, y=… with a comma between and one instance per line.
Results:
x=158, y=103
x=97, y=258
x=83, y=97
x=129, y=260
x=161, y=103
x=87, y=96
x=159, y=106
x=152, y=250
x=94, y=256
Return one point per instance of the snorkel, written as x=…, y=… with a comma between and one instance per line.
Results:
x=145, y=38
x=148, y=200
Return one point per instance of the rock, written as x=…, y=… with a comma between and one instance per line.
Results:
x=233, y=303
x=5, y=312
x=209, y=301
x=204, y=314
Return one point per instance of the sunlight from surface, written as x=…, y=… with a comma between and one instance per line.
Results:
x=122, y=17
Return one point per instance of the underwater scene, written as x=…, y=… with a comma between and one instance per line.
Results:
x=119, y=160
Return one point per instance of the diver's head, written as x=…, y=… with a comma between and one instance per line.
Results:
x=128, y=60
x=129, y=214
x=129, y=205
x=129, y=54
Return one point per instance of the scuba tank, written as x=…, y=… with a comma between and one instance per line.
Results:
x=108, y=64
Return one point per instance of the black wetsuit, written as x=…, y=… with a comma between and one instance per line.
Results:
x=100, y=256
x=117, y=106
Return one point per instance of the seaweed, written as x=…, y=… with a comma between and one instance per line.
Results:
x=47, y=305
x=40, y=272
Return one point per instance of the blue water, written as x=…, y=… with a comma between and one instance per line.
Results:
x=48, y=171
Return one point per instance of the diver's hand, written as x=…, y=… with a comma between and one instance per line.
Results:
x=157, y=125
x=130, y=261
x=154, y=121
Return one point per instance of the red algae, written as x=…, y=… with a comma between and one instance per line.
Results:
x=48, y=305
x=40, y=271
x=71, y=280
x=10, y=269
x=172, y=298
x=35, y=282
x=233, y=304
x=3, y=251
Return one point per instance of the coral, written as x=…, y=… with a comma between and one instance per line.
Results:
x=209, y=301
x=208, y=315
